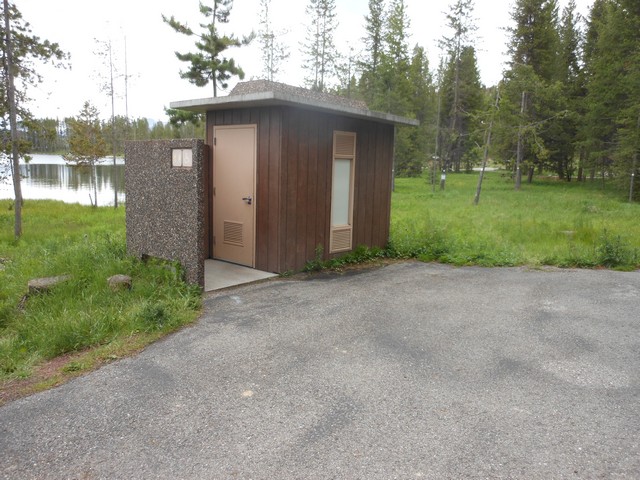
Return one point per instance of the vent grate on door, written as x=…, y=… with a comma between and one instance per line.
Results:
x=340, y=239
x=345, y=144
x=233, y=233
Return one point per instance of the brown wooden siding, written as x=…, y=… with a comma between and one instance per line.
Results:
x=293, y=182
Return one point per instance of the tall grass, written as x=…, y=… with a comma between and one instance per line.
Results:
x=89, y=245
x=547, y=222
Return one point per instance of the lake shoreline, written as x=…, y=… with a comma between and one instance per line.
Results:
x=50, y=177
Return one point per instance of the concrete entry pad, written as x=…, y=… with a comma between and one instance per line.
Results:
x=219, y=275
x=411, y=371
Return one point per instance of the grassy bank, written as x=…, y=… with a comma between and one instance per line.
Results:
x=546, y=223
x=83, y=313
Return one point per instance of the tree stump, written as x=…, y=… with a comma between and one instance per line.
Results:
x=37, y=286
x=42, y=285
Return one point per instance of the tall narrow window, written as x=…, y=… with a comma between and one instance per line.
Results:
x=344, y=159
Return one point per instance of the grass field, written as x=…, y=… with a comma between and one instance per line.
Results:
x=88, y=244
x=545, y=223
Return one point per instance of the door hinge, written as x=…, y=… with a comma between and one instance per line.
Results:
x=214, y=191
x=214, y=141
x=214, y=239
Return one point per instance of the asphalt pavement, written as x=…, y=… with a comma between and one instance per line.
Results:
x=407, y=371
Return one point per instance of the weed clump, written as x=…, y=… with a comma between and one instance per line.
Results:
x=614, y=252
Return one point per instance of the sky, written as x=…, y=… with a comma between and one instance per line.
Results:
x=153, y=70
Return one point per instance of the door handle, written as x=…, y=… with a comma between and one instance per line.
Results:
x=248, y=199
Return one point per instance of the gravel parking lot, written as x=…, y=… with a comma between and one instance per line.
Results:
x=406, y=371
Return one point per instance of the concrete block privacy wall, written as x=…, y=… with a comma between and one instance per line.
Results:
x=165, y=207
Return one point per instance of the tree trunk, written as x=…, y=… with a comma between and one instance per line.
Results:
x=13, y=124
x=519, y=154
x=560, y=169
x=94, y=174
x=113, y=134
x=451, y=149
x=634, y=165
x=436, y=153
x=581, y=167
x=530, y=174
x=485, y=155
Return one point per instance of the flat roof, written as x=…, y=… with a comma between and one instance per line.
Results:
x=261, y=93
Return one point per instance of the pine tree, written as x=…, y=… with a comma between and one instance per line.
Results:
x=462, y=105
x=87, y=145
x=460, y=23
x=210, y=63
x=422, y=94
x=570, y=45
x=319, y=50
x=563, y=140
x=613, y=90
x=421, y=80
x=20, y=48
x=534, y=38
x=515, y=134
x=394, y=92
x=532, y=93
x=373, y=42
x=627, y=165
x=346, y=72
x=472, y=103
x=274, y=52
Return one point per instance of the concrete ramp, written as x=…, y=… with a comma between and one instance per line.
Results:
x=218, y=275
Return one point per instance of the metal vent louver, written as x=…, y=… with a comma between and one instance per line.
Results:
x=345, y=145
x=233, y=233
x=341, y=239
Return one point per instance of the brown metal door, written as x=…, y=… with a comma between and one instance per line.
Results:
x=234, y=167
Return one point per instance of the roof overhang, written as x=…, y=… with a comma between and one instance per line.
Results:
x=276, y=98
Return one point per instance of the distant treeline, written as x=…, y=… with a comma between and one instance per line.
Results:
x=51, y=135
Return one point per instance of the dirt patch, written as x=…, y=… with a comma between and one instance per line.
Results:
x=46, y=375
x=59, y=370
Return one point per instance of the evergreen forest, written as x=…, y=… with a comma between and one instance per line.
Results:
x=568, y=104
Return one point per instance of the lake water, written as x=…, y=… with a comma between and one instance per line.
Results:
x=49, y=177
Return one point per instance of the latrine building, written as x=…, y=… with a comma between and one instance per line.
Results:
x=283, y=175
